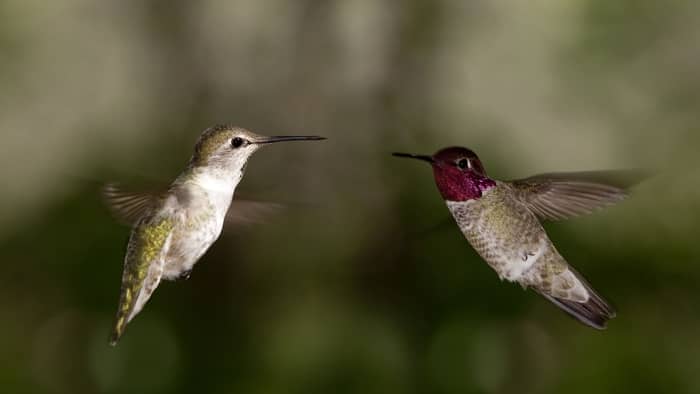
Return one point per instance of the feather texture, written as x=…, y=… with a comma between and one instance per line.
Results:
x=128, y=206
x=558, y=196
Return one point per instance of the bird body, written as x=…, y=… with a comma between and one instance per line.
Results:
x=172, y=230
x=510, y=238
x=502, y=222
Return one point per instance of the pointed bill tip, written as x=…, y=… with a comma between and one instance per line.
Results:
x=427, y=158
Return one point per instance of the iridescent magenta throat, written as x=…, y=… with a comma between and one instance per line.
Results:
x=456, y=185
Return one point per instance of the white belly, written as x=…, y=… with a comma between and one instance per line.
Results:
x=190, y=244
x=208, y=199
x=515, y=268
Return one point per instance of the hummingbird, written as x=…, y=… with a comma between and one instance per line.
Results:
x=502, y=222
x=171, y=230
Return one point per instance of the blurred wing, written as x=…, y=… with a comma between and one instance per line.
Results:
x=563, y=195
x=127, y=206
x=250, y=212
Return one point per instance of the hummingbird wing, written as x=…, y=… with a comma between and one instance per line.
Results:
x=557, y=196
x=569, y=290
x=129, y=206
x=249, y=212
x=143, y=269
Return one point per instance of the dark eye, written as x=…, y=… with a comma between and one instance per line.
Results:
x=237, y=142
x=463, y=163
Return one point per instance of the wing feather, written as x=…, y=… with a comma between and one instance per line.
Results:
x=248, y=211
x=128, y=206
x=557, y=196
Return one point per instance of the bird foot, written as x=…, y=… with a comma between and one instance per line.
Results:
x=185, y=275
x=527, y=255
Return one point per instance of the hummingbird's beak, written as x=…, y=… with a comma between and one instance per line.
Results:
x=285, y=138
x=427, y=158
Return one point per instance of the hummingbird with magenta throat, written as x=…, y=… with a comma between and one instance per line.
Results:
x=502, y=222
x=171, y=230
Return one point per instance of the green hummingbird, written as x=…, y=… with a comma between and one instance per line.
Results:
x=502, y=221
x=171, y=230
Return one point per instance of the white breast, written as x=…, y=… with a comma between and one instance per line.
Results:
x=217, y=188
x=208, y=199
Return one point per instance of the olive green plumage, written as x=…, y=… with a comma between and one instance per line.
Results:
x=501, y=220
x=146, y=246
x=507, y=236
x=172, y=229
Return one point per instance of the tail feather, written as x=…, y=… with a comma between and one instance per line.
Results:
x=595, y=312
x=117, y=332
x=124, y=315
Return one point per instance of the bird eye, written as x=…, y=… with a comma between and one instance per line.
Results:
x=237, y=142
x=463, y=163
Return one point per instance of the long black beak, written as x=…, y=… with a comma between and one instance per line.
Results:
x=285, y=138
x=427, y=158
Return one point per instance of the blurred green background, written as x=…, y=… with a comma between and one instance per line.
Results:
x=361, y=285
